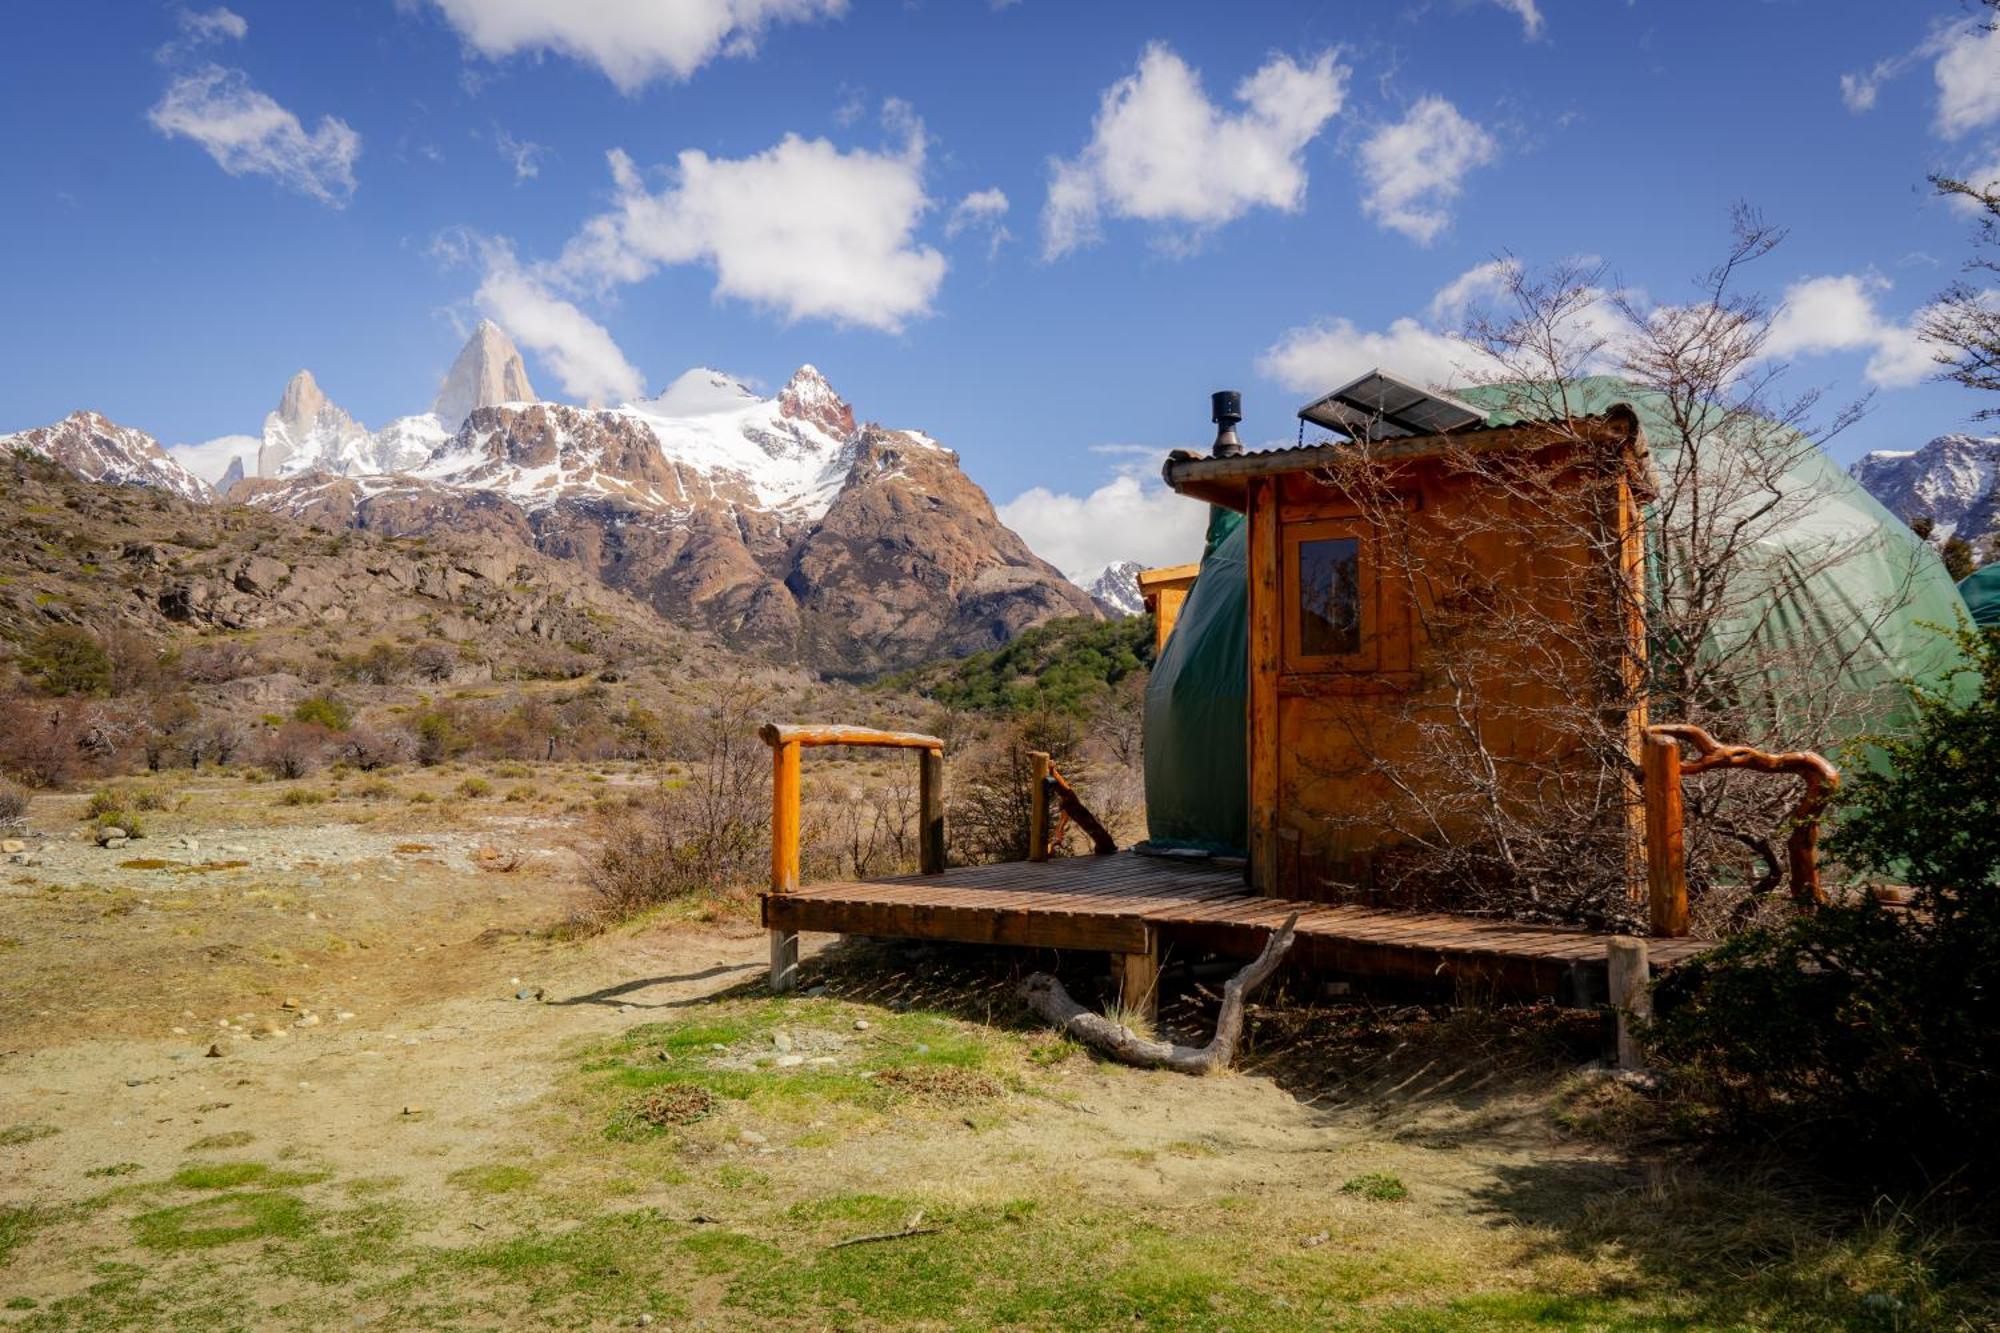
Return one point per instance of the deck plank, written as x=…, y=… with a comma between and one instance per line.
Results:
x=1118, y=903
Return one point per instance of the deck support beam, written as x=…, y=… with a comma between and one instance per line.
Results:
x=784, y=857
x=1631, y=996
x=1138, y=979
x=1666, y=849
x=1038, y=805
x=930, y=812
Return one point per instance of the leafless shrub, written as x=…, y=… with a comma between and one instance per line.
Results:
x=295, y=749
x=988, y=815
x=368, y=749
x=13, y=805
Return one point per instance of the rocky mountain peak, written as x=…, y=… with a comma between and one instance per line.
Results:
x=96, y=448
x=1117, y=588
x=808, y=397
x=301, y=403
x=1954, y=480
x=489, y=371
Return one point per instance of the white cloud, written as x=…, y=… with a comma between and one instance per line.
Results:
x=1414, y=169
x=631, y=41
x=249, y=134
x=1161, y=152
x=1838, y=313
x=1968, y=79
x=213, y=25
x=1473, y=288
x=981, y=210
x=804, y=229
x=578, y=349
x=1966, y=71
x=1318, y=357
x=524, y=154
x=1128, y=518
x=211, y=458
x=1529, y=14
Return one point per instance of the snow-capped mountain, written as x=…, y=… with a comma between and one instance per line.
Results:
x=1951, y=480
x=778, y=522
x=99, y=449
x=1117, y=588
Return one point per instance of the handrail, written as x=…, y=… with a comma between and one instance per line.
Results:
x=1666, y=849
x=786, y=742
x=1045, y=781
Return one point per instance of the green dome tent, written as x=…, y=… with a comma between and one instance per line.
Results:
x=1981, y=591
x=1878, y=609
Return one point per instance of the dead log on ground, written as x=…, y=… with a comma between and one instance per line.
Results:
x=1046, y=996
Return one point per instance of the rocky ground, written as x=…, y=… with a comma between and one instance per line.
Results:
x=294, y=1064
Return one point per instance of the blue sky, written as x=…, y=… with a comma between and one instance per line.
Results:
x=1041, y=232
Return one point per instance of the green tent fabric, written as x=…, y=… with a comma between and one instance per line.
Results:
x=1197, y=783
x=1194, y=727
x=1981, y=590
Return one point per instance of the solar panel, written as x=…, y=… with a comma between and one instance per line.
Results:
x=1381, y=406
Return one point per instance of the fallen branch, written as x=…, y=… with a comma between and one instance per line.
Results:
x=913, y=1228
x=1046, y=996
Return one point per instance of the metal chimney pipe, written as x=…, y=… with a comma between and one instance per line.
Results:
x=1225, y=410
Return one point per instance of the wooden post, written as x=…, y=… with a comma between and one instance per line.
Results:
x=930, y=811
x=1631, y=995
x=1666, y=851
x=1266, y=629
x=784, y=857
x=1138, y=978
x=1038, y=806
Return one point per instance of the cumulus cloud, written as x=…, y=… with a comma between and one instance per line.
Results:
x=804, y=229
x=1968, y=79
x=1473, y=288
x=1526, y=11
x=247, y=133
x=213, y=25
x=631, y=41
x=1965, y=67
x=211, y=458
x=1161, y=152
x=1131, y=517
x=1413, y=170
x=576, y=348
x=1838, y=313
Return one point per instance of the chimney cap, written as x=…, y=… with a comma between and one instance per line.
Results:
x=1225, y=410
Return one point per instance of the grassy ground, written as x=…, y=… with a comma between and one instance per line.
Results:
x=661, y=1140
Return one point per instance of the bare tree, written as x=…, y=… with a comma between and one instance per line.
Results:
x=1963, y=325
x=1738, y=491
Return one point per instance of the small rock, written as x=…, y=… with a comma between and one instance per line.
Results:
x=625, y=1009
x=307, y=1021
x=790, y=1061
x=645, y=1320
x=110, y=834
x=413, y=1109
x=178, y=1032
x=862, y=1025
x=1317, y=1239
x=753, y=1138
x=782, y=1040
x=113, y=844
x=528, y=993
x=813, y=992
x=13, y=845
x=823, y=1060
x=289, y=1003
x=214, y=1051
x=343, y=1016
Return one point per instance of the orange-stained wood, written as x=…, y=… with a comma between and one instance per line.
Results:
x=784, y=817
x=1266, y=644
x=1038, y=805
x=775, y=735
x=1666, y=852
x=930, y=811
x=1821, y=780
x=1165, y=591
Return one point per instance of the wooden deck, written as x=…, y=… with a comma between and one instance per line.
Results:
x=1137, y=905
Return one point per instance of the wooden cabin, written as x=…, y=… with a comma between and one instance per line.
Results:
x=1439, y=572
x=1430, y=597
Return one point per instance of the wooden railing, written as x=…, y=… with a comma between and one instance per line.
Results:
x=1046, y=781
x=786, y=743
x=1666, y=846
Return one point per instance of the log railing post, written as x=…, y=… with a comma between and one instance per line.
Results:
x=784, y=857
x=1630, y=979
x=1038, y=805
x=1666, y=848
x=930, y=811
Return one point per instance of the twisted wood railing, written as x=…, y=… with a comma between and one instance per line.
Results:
x=1046, y=781
x=786, y=744
x=1666, y=847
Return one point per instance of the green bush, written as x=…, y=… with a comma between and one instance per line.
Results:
x=1874, y=1030
x=324, y=710
x=65, y=659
